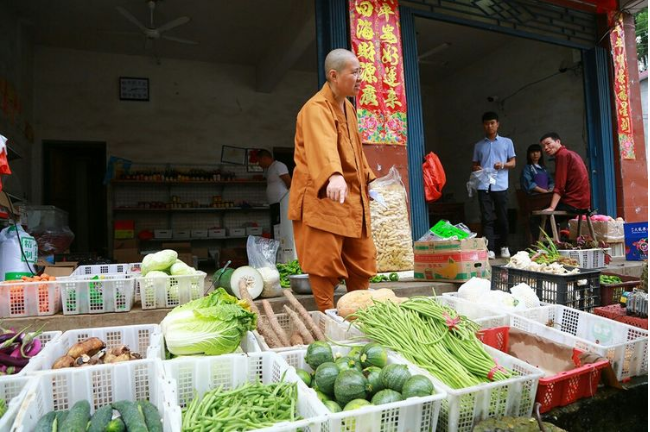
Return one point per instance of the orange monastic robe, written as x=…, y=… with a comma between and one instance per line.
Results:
x=333, y=240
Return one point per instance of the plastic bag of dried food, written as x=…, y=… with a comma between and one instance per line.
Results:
x=391, y=230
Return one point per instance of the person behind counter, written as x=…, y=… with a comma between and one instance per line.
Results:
x=534, y=177
x=328, y=200
x=278, y=182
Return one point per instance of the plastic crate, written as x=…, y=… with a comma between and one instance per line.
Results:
x=171, y=291
x=106, y=269
x=247, y=345
x=579, y=291
x=588, y=258
x=197, y=375
x=336, y=331
x=617, y=250
x=617, y=313
x=47, y=339
x=611, y=293
x=13, y=391
x=625, y=347
x=561, y=389
x=484, y=316
x=97, y=294
x=101, y=385
x=413, y=414
x=144, y=339
x=24, y=299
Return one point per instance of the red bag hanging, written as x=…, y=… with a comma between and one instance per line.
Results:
x=434, y=177
x=4, y=164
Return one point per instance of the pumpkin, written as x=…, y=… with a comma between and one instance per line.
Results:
x=361, y=299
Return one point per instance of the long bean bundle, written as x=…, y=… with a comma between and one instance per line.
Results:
x=251, y=406
x=434, y=337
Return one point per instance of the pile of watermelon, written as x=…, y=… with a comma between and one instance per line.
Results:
x=361, y=378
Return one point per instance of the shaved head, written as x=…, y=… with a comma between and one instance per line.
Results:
x=337, y=60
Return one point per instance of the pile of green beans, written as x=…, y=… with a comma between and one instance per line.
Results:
x=251, y=406
x=434, y=337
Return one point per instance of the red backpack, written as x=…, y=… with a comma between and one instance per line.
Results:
x=434, y=177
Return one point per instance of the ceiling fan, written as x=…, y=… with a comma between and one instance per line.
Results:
x=151, y=32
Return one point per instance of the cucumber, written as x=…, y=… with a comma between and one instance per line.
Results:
x=46, y=423
x=115, y=425
x=77, y=419
x=151, y=416
x=131, y=416
x=101, y=419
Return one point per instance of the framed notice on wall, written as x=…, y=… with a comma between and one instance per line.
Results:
x=233, y=155
x=134, y=89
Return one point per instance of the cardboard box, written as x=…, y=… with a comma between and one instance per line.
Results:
x=217, y=233
x=609, y=231
x=162, y=234
x=199, y=233
x=636, y=241
x=200, y=252
x=124, y=234
x=182, y=234
x=255, y=231
x=451, y=260
x=125, y=244
x=178, y=247
x=186, y=257
x=58, y=271
x=125, y=256
x=237, y=232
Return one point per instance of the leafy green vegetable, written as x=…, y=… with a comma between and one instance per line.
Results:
x=3, y=407
x=210, y=325
x=610, y=280
x=286, y=270
x=158, y=261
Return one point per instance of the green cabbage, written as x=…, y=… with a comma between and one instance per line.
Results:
x=211, y=325
x=158, y=261
x=179, y=268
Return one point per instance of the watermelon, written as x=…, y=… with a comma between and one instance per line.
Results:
x=318, y=353
x=373, y=374
x=374, y=354
x=417, y=385
x=350, y=385
x=325, y=376
x=386, y=396
x=394, y=376
x=356, y=404
x=345, y=363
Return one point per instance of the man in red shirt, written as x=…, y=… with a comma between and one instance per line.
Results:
x=571, y=192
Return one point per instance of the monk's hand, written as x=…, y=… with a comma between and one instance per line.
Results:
x=337, y=188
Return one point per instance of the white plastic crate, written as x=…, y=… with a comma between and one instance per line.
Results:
x=483, y=316
x=515, y=396
x=106, y=269
x=413, y=414
x=144, y=339
x=171, y=291
x=24, y=299
x=97, y=293
x=13, y=390
x=197, y=375
x=101, y=385
x=617, y=250
x=333, y=330
x=588, y=258
x=47, y=339
x=625, y=346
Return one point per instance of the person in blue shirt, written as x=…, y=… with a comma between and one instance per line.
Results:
x=534, y=177
x=496, y=154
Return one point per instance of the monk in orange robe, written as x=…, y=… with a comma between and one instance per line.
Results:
x=328, y=201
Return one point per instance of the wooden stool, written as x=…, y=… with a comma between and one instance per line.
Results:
x=545, y=215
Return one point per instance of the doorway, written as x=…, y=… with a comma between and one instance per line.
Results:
x=73, y=172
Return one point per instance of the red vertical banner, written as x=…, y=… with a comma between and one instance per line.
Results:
x=377, y=43
x=621, y=87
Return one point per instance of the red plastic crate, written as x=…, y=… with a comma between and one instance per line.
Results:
x=617, y=313
x=559, y=390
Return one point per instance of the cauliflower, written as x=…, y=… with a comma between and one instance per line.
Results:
x=525, y=295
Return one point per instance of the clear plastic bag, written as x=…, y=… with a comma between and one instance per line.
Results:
x=262, y=253
x=476, y=178
x=391, y=230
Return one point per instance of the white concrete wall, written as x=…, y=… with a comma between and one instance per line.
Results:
x=453, y=109
x=195, y=107
x=16, y=69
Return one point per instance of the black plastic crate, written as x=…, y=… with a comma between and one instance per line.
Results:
x=579, y=291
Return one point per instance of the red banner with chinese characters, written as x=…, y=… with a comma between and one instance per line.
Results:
x=621, y=87
x=376, y=40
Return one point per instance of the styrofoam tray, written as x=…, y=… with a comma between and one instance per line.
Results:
x=144, y=339
x=331, y=329
x=97, y=293
x=170, y=291
x=13, y=390
x=197, y=375
x=413, y=414
x=625, y=346
x=100, y=385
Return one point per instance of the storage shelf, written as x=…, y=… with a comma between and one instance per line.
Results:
x=177, y=240
x=191, y=182
x=188, y=210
